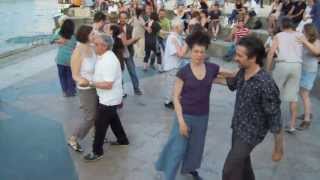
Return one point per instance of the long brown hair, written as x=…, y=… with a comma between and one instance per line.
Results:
x=311, y=32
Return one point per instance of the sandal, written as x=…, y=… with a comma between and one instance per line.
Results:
x=304, y=125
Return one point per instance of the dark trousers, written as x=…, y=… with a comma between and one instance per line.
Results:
x=67, y=83
x=148, y=53
x=238, y=163
x=107, y=115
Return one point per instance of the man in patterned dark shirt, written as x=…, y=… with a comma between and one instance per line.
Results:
x=257, y=110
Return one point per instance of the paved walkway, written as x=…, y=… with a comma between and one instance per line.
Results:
x=35, y=120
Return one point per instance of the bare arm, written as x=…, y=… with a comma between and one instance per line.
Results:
x=314, y=48
x=61, y=41
x=178, y=108
x=271, y=53
x=223, y=75
x=103, y=85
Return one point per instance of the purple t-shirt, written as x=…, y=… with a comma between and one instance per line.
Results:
x=195, y=93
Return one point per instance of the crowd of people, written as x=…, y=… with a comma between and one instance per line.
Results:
x=92, y=60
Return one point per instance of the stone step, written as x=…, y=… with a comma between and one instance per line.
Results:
x=218, y=48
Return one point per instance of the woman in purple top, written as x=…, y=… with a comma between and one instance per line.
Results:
x=191, y=101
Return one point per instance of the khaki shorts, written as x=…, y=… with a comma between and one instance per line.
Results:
x=287, y=78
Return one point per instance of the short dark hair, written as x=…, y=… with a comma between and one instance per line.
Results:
x=200, y=38
x=67, y=29
x=286, y=23
x=154, y=16
x=83, y=33
x=99, y=16
x=254, y=47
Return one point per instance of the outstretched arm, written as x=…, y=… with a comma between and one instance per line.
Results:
x=223, y=75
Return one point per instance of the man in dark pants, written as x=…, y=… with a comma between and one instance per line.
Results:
x=128, y=54
x=257, y=110
x=108, y=82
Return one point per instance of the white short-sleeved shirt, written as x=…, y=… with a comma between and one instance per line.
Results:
x=170, y=59
x=108, y=69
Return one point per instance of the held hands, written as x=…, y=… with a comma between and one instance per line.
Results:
x=83, y=82
x=184, y=130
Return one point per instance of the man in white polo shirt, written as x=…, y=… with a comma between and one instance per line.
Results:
x=108, y=82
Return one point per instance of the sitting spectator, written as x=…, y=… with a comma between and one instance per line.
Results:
x=244, y=14
x=204, y=5
x=204, y=21
x=274, y=14
x=287, y=8
x=236, y=34
x=214, y=15
x=297, y=13
x=195, y=19
x=306, y=16
x=238, y=5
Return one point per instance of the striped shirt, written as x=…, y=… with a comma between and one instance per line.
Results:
x=240, y=33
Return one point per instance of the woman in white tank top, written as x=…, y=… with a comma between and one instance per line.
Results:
x=83, y=65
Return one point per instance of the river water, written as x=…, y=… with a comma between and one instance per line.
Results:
x=23, y=21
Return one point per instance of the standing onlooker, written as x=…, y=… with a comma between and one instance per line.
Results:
x=108, y=82
x=297, y=14
x=83, y=62
x=165, y=28
x=128, y=40
x=138, y=24
x=173, y=54
x=274, y=14
x=315, y=14
x=67, y=43
x=306, y=16
x=151, y=40
x=256, y=111
x=99, y=21
x=214, y=15
x=287, y=71
x=311, y=52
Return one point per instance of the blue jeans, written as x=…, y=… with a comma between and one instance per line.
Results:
x=231, y=51
x=67, y=83
x=233, y=16
x=132, y=72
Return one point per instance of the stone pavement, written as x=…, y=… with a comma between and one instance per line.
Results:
x=35, y=121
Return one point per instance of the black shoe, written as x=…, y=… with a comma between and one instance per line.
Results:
x=125, y=95
x=138, y=92
x=116, y=143
x=169, y=105
x=92, y=157
x=195, y=175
